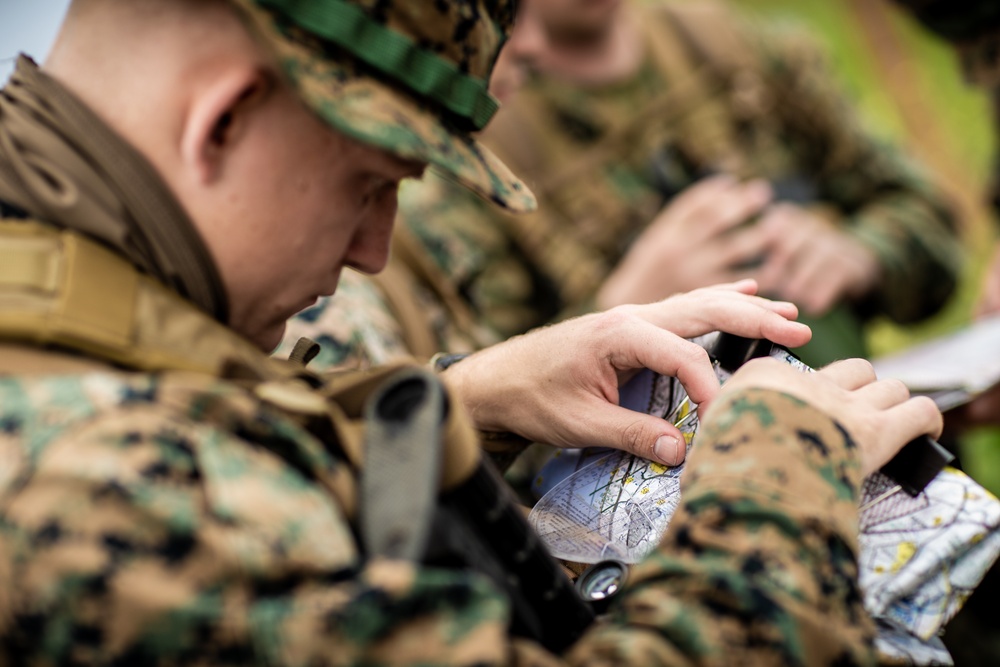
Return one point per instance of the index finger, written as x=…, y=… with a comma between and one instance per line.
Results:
x=707, y=310
x=667, y=354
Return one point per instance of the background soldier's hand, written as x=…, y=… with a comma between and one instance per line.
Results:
x=692, y=243
x=879, y=414
x=559, y=384
x=811, y=262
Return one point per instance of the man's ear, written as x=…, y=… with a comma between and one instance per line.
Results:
x=216, y=119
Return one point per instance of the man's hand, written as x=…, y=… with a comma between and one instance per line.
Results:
x=692, y=243
x=810, y=262
x=879, y=414
x=559, y=384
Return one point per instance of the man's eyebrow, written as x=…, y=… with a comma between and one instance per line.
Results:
x=402, y=167
x=396, y=168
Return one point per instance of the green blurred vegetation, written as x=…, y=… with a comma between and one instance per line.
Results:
x=909, y=89
x=980, y=452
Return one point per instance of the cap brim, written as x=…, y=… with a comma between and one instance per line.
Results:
x=377, y=113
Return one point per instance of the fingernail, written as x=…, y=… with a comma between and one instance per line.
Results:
x=667, y=449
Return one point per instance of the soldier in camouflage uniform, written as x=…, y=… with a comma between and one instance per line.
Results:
x=184, y=174
x=860, y=231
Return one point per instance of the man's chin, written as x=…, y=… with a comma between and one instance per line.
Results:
x=268, y=336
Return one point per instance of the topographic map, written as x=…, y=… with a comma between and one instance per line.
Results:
x=920, y=557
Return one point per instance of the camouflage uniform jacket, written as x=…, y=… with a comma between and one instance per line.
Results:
x=357, y=327
x=174, y=517
x=603, y=160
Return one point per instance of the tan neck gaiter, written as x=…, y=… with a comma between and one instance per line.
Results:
x=61, y=164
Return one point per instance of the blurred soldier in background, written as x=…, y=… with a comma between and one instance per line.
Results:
x=855, y=233
x=628, y=107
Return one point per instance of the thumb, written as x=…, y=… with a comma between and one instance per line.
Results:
x=644, y=435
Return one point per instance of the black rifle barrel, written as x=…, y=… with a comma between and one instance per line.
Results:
x=536, y=582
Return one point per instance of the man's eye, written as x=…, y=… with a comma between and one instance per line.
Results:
x=369, y=192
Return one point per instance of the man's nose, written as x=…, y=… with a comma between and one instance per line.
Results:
x=369, y=250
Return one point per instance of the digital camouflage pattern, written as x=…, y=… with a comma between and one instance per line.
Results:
x=358, y=328
x=477, y=253
x=603, y=160
x=355, y=328
x=370, y=101
x=176, y=519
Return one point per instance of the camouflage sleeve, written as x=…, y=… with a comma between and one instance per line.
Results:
x=891, y=205
x=469, y=242
x=760, y=559
x=180, y=523
x=184, y=524
x=355, y=328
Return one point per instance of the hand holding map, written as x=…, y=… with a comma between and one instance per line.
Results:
x=921, y=555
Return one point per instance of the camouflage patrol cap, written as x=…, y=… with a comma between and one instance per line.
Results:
x=407, y=76
x=973, y=26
